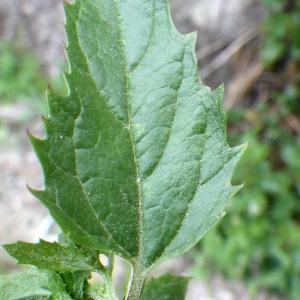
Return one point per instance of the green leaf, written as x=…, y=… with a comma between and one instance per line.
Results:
x=53, y=256
x=166, y=287
x=76, y=284
x=32, y=284
x=57, y=286
x=135, y=159
x=26, y=285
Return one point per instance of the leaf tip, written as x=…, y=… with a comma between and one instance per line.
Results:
x=12, y=250
x=7, y=247
x=236, y=189
x=242, y=148
x=29, y=134
x=49, y=87
x=192, y=36
x=31, y=137
x=34, y=192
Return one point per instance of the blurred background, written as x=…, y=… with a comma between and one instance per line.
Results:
x=253, y=47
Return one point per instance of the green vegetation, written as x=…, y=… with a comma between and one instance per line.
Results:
x=259, y=241
x=20, y=76
x=281, y=27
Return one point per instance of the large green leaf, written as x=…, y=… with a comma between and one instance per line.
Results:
x=166, y=287
x=136, y=159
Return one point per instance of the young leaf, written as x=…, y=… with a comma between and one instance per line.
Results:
x=135, y=160
x=53, y=256
x=32, y=284
x=57, y=287
x=166, y=287
x=76, y=284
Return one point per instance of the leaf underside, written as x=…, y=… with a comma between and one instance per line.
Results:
x=135, y=159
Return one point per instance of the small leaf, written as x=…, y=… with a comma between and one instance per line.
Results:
x=53, y=256
x=76, y=284
x=57, y=286
x=32, y=284
x=166, y=287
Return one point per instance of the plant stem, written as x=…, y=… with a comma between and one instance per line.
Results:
x=136, y=284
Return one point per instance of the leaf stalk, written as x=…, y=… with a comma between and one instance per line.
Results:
x=136, y=283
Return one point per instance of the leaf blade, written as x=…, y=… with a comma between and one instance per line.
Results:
x=53, y=256
x=136, y=159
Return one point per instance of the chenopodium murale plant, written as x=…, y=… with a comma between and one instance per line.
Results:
x=135, y=157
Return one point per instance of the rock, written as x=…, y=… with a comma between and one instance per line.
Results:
x=9, y=17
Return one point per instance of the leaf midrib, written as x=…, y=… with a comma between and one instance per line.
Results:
x=128, y=99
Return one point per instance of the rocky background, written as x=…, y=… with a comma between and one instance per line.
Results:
x=224, y=29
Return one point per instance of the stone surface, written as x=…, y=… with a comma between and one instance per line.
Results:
x=9, y=17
